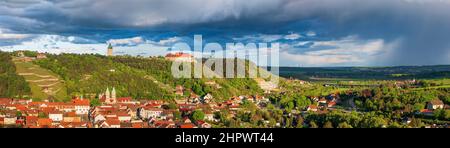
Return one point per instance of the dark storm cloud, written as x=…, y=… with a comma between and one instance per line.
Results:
x=421, y=27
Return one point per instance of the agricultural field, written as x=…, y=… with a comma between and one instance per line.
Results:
x=43, y=83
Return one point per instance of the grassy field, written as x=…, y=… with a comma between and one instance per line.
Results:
x=44, y=84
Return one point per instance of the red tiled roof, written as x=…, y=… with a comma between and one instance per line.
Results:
x=111, y=121
x=312, y=106
x=71, y=114
x=124, y=99
x=55, y=112
x=188, y=125
x=5, y=101
x=136, y=125
x=178, y=55
x=48, y=109
x=426, y=111
x=81, y=102
x=122, y=113
x=20, y=107
x=44, y=122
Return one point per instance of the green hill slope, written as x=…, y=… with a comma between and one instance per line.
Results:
x=44, y=84
x=11, y=84
x=141, y=78
x=89, y=75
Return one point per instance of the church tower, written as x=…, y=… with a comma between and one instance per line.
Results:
x=107, y=93
x=110, y=50
x=113, y=94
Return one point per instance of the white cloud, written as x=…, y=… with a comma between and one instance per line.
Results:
x=259, y=38
x=169, y=41
x=344, y=52
x=311, y=33
x=59, y=44
x=303, y=43
x=12, y=36
x=127, y=41
x=292, y=36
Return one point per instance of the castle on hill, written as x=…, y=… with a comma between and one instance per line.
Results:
x=110, y=50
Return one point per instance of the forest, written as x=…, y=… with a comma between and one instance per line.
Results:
x=12, y=85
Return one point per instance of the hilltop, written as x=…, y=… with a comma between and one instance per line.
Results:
x=142, y=78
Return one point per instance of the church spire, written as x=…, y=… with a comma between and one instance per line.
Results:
x=107, y=93
x=113, y=93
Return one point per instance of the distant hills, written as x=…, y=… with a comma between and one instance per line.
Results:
x=375, y=73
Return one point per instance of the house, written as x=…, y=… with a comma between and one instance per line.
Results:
x=331, y=104
x=71, y=117
x=32, y=112
x=137, y=125
x=187, y=107
x=74, y=125
x=261, y=99
x=322, y=101
x=314, y=99
x=110, y=123
x=209, y=116
x=164, y=124
x=154, y=103
x=124, y=117
x=124, y=100
x=207, y=98
x=149, y=112
x=55, y=116
x=180, y=57
x=311, y=108
x=426, y=112
x=31, y=121
x=187, y=125
x=250, y=99
x=179, y=90
x=435, y=104
x=203, y=124
x=132, y=111
x=99, y=118
x=41, y=56
x=81, y=106
x=44, y=122
x=194, y=98
x=9, y=120
x=126, y=125
x=20, y=54
x=187, y=120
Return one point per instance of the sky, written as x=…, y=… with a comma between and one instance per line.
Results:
x=311, y=33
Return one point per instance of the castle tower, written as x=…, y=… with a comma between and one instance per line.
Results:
x=110, y=50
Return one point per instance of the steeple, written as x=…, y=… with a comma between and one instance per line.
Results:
x=107, y=93
x=113, y=93
x=110, y=50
